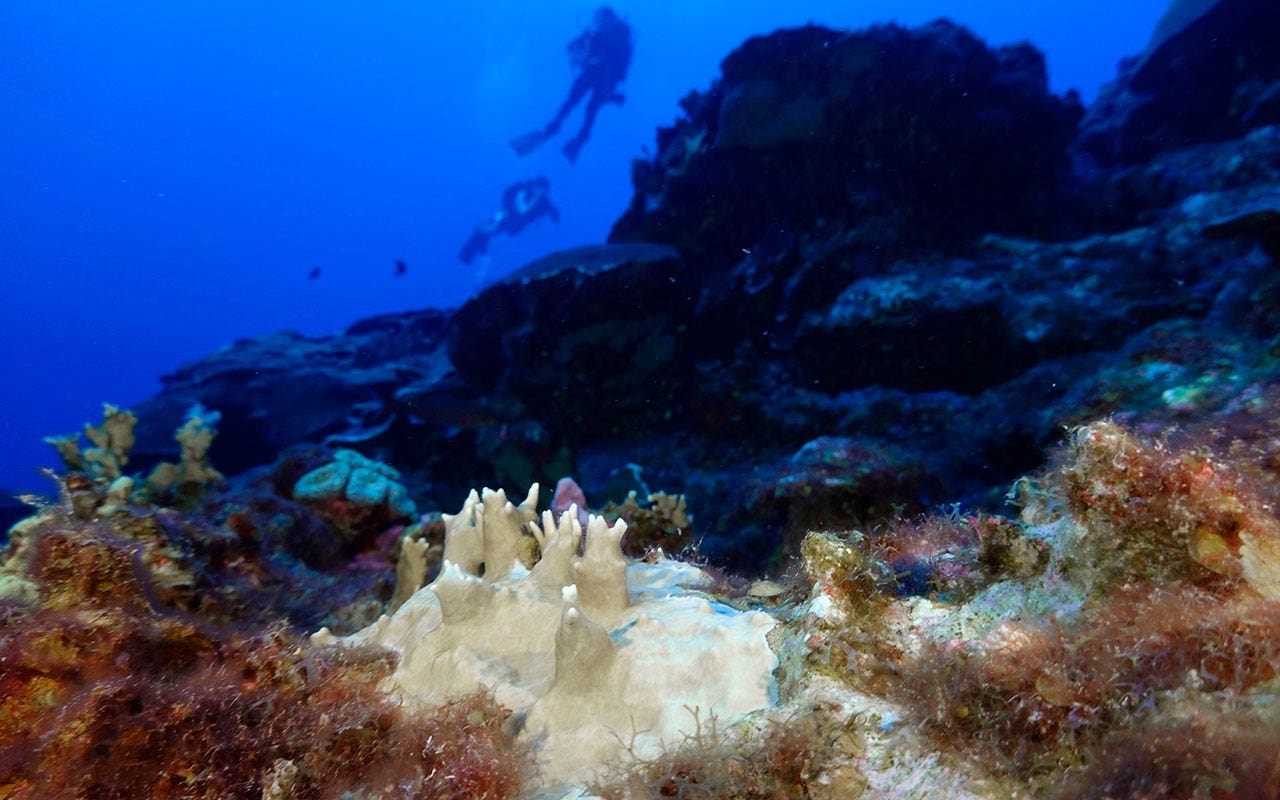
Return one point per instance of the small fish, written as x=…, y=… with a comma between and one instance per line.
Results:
x=314, y=273
x=401, y=268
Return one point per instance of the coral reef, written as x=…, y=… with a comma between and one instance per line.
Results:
x=888, y=125
x=887, y=271
x=195, y=437
x=659, y=522
x=942, y=353
x=911, y=357
x=357, y=479
x=775, y=760
x=1063, y=655
x=357, y=496
x=247, y=554
x=109, y=692
x=585, y=648
x=1076, y=678
x=102, y=466
x=112, y=440
x=1208, y=75
x=1164, y=513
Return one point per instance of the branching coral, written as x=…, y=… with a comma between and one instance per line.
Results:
x=661, y=521
x=195, y=437
x=584, y=646
x=112, y=441
x=98, y=471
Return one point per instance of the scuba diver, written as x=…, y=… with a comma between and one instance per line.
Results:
x=601, y=55
x=523, y=203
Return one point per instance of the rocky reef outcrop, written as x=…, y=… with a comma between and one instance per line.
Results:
x=904, y=137
x=1210, y=74
x=863, y=274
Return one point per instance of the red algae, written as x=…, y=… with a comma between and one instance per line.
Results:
x=109, y=693
x=779, y=762
x=1035, y=694
x=1157, y=512
x=1163, y=682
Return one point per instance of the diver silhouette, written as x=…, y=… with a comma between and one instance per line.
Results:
x=523, y=203
x=601, y=54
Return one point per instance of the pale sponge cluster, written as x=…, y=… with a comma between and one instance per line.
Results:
x=601, y=659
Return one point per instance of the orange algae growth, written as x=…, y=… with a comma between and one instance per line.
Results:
x=1164, y=683
x=107, y=693
x=1033, y=693
x=1156, y=511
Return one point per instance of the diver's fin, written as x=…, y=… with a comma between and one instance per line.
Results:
x=526, y=144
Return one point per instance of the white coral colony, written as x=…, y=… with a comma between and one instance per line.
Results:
x=594, y=654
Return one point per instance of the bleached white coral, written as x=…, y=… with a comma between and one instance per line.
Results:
x=596, y=655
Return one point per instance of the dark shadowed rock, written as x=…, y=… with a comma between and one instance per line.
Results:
x=284, y=388
x=836, y=483
x=1245, y=170
x=966, y=325
x=588, y=339
x=923, y=134
x=1212, y=73
x=1261, y=225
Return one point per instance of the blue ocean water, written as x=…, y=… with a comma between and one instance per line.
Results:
x=172, y=175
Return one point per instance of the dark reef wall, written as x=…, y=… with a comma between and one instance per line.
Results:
x=862, y=274
x=1213, y=79
x=915, y=136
